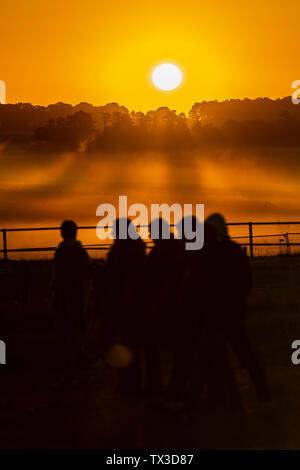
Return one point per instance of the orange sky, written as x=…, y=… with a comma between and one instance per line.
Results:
x=103, y=51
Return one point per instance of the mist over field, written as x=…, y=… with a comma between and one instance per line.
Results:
x=238, y=157
x=244, y=187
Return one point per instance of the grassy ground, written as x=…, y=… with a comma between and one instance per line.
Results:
x=35, y=414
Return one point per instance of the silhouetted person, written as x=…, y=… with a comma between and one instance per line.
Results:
x=202, y=368
x=123, y=315
x=71, y=295
x=236, y=282
x=163, y=270
x=212, y=372
x=186, y=314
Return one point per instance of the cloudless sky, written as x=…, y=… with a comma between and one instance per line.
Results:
x=104, y=51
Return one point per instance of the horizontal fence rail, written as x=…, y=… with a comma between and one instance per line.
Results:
x=104, y=246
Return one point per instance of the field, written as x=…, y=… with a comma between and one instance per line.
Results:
x=92, y=414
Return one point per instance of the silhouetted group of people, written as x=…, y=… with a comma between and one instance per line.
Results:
x=178, y=314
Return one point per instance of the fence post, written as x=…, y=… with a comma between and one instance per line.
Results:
x=4, y=244
x=26, y=288
x=251, y=239
x=288, y=247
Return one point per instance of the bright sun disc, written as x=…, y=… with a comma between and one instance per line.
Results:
x=166, y=77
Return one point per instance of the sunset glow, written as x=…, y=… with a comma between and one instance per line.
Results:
x=102, y=52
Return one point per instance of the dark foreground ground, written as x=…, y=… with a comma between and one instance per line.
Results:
x=92, y=414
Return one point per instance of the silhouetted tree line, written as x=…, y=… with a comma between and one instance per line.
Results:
x=259, y=122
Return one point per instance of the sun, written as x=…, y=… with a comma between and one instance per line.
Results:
x=166, y=77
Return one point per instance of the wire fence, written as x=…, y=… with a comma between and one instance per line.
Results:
x=252, y=242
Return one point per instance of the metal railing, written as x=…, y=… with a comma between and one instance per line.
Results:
x=104, y=246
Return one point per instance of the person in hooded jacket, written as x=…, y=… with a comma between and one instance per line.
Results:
x=202, y=368
x=235, y=285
